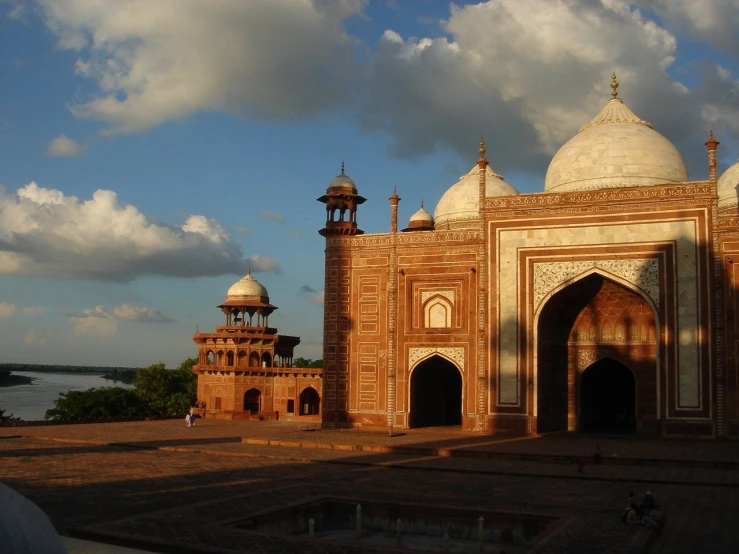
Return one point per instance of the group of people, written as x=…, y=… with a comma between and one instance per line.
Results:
x=646, y=513
x=190, y=418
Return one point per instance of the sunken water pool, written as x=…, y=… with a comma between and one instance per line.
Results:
x=400, y=526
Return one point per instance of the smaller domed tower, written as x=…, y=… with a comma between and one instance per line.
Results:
x=341, y=196
x=245, y=367
x=420, y=221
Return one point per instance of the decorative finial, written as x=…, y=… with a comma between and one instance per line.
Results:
x=248, y=270
x=395, y=189
x=342, y=167
x=482, y=148
x=710, y=134
x=421, y=203
x=614, y=85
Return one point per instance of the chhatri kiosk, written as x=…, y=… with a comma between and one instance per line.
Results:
x=245, y=367
x=606, y=302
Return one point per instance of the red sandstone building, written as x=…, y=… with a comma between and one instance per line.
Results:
x=606, y=302
x=245, y=368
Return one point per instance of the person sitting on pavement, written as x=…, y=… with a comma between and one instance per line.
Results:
x=653, y=519
x=648, y=503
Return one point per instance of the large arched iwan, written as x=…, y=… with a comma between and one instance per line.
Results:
x=436, y=394
x=589, y=320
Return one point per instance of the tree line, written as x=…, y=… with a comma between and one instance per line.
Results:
x=157, y=391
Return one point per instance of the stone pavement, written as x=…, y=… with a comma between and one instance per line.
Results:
x=153, y=484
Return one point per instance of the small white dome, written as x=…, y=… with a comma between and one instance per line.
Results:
x=462, y=203
x=422, y=215
x=247, y=288
x=728, y=187
x=616, y=149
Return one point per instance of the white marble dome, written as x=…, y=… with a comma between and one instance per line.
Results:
x=421, y=216
x=616, y=149
x=247, y=288
x=462, y=203
x=727, y=187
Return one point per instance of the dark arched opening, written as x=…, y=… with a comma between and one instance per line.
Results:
x=252, y=401
x=607, y=398
x=254, y=359
x=555, y=323
x=436, y=394
x=310, y=402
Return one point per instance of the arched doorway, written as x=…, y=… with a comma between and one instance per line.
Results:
x=309, y=402
x=607, y=397
x=253, y=401
x=594, y=318
x=436, y=394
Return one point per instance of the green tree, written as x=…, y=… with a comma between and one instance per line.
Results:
x=4, y=417
x=307, y=362
x=165, y=391
x=95, y=403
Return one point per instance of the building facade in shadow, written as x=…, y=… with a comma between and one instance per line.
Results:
x=605, y=303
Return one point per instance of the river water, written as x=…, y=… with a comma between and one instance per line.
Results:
x=30, y=402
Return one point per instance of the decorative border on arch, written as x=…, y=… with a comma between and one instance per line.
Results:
x=454, y=353
x=586, y=358
x=448, y=294
x=641, y=272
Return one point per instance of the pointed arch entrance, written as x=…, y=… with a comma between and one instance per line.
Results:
x=592, y=319
x=253, y=401
x=310, y=402
x=607, y=397
x=436, y=394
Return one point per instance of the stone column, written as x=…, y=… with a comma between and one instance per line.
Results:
x=392, y=310
x=719, y=278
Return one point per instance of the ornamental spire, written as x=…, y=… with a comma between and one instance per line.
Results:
x=614, y=85
x=482, y=162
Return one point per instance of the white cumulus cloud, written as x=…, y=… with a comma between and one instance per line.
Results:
x=275, y=216
x=63, y=146
x=33, y=339
x=129, y=312
x=260, y=264
x=45, y=233
x=7, y=309
x=162, y=60
x=312, y=295
x=35, y=310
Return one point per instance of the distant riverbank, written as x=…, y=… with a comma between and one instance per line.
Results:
x=8, y=379
x=30, y=401
x=50, y=368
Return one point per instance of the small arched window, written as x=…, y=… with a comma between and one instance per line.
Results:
x=437, y=313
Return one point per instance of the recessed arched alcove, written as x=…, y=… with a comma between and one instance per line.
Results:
x=253, y=401
x=310, y=402
x=436, y=394
x=595, y=318
x=607, y=398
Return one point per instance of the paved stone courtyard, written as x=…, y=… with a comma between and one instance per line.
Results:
x=160, y=486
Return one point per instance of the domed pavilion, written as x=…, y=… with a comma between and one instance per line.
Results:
x=607, y=302
x=245, y=367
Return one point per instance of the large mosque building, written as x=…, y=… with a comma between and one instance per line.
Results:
x=607, y=302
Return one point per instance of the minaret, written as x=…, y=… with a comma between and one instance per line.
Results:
x=712, y=144
x=341, y=201
x=341, y=197
x=482, y=385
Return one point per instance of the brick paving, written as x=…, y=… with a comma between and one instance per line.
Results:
x=166, y=484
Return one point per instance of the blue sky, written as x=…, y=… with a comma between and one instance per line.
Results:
x=151, y=150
